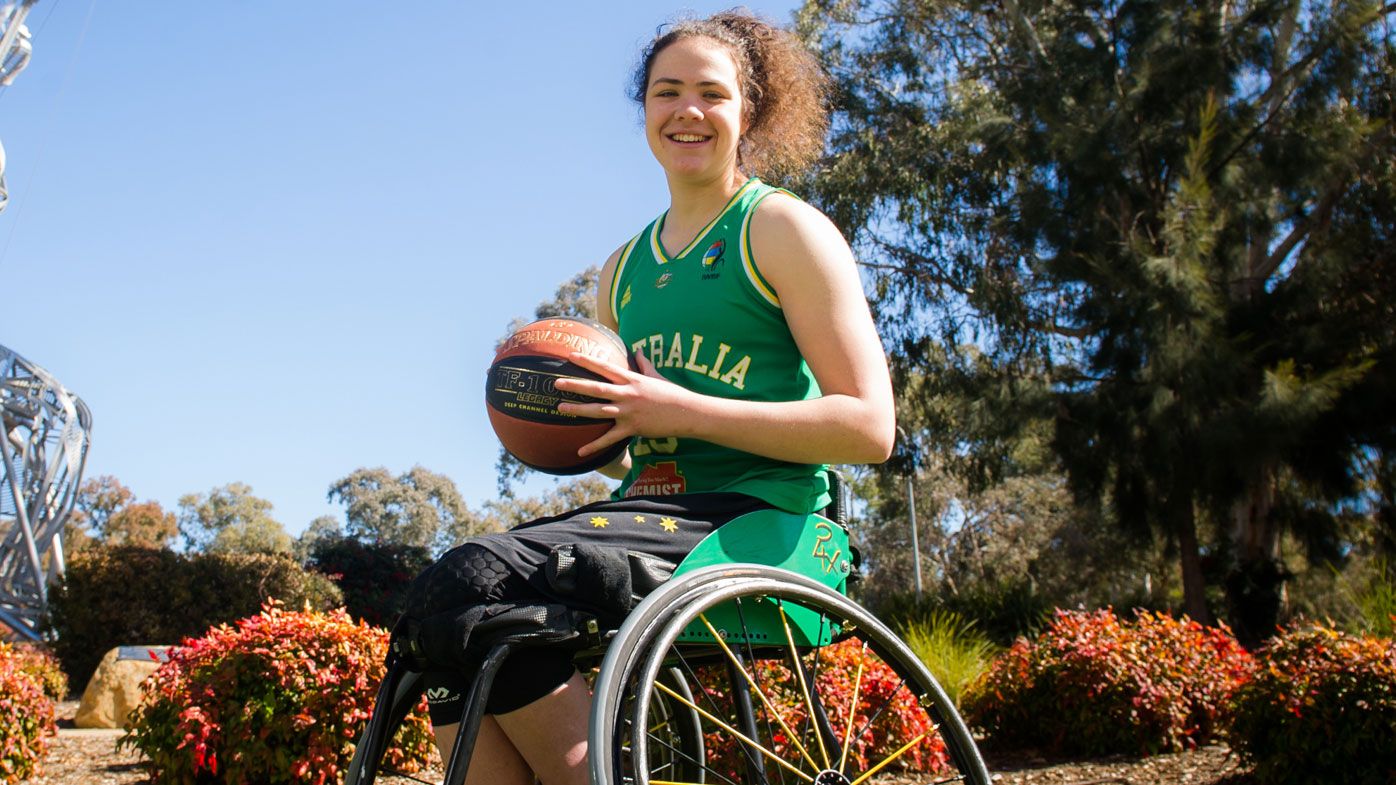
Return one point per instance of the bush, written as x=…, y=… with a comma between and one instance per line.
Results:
x=278, y=698
x=374, y=577
x=123, y=595
x=955, y=652
x=26, y=719
x=1323, y=703
x=900, y=721
x=1003, y=612
x=41, y=665
x=1091, y=684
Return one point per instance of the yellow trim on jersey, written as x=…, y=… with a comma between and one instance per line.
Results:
x=658, y=248
x=615, y=276
x=748, y=262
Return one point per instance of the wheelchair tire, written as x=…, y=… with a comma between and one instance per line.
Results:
x=797, y=729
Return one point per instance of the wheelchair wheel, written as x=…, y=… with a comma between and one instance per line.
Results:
x=793, y=683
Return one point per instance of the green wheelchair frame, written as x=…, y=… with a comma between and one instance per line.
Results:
x=766, y=585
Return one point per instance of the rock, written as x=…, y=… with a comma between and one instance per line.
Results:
x=114, y=689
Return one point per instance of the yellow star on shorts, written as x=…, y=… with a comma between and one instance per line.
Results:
x=669, y=524
x=639, y=519
x=598, y=522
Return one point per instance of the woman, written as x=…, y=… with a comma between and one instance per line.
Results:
x=758, y=365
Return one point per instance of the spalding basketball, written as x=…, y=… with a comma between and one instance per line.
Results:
x=521, y=394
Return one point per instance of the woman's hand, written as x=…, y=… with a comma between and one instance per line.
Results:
x=642, y=404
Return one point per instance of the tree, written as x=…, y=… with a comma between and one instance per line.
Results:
x=1165, y=227
x=323, y=528
x=98, y=499
x=418, y=508
x=576, y=297
x=106, y=511
x=144, y=523
x=566, y=495
x=230, y=519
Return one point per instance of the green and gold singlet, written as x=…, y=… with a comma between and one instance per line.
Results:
x=709, y=322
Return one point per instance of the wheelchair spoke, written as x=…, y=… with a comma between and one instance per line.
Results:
x=765, y=701
x=853, y=710
x=751, y=658
x=888, y=759
x=736, y=733
x=800, y=674
x=691, y=759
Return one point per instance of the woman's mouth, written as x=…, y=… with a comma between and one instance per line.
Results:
x=688, y=138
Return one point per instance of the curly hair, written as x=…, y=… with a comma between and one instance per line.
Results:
x=784, y=89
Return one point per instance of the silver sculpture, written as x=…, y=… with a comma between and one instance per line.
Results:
x=15, y=49
x=44, y=435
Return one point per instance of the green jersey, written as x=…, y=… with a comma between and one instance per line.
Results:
x=709, y=322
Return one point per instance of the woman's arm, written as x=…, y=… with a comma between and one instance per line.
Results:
x=805, y=259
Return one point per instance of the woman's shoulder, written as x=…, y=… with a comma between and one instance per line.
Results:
x=787, y=232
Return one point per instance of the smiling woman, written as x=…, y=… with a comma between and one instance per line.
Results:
x=755, y=365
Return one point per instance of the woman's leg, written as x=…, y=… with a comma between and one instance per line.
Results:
x=495, y=760
x=551, y=733
x=548, y=736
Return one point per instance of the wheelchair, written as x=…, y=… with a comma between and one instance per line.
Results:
x=749, y=665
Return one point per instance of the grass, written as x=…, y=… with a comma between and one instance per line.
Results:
x=951, y=647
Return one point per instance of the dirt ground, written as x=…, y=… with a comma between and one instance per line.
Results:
x=89, y=757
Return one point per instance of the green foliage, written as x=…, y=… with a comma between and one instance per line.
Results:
x=955, y=652
x=1002, y=612
x=373, y=577
x=1322, y=704
x=41, y=665
x=1165, y=229
x=419, y=508
x=278, y=698
x=121, y=595
x=230, y=519
x=1092, y=684
x=26, y=718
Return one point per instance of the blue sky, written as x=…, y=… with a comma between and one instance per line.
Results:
x=273, y=242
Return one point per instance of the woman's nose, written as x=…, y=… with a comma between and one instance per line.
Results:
x=689, y=110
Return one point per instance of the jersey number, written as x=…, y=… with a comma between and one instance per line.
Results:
x=662, y=446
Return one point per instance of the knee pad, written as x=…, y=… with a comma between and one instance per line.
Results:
x=469, y=574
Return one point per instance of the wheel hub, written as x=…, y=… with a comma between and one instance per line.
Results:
x=830, y=777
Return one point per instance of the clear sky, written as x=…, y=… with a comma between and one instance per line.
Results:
x=272, y=242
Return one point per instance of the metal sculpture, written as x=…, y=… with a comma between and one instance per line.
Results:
x=15, y=50
x=44, y=435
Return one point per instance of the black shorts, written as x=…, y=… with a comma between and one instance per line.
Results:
x=510, y=567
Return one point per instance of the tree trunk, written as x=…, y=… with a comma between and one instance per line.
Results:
x=1255, y=581
x=1184, y=522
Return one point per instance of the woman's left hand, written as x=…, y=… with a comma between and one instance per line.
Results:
x=642, y=404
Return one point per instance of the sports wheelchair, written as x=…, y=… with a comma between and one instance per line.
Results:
x=749, y=665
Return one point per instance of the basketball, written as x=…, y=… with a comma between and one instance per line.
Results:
x=521, y=394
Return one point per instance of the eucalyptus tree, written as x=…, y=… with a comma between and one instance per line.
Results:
x=1162, y=226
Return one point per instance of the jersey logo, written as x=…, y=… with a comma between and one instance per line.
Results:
x=712, y=259
x=663, y=280
x=661, y=478
x=625, y=298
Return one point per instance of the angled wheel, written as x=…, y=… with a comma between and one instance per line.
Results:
x=793, y=683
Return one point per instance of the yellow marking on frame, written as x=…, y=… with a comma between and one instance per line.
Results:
x=733, y=731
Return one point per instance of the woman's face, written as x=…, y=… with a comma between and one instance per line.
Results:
x=693, y=109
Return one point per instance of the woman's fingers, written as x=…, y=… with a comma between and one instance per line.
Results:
x=615, y=434
x=613, y=372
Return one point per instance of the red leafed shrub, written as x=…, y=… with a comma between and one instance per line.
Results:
x=899, y=722
x=26, y=719
x=1321, y=707
x=278, y=698
x=1093, y=684
x=41, y=664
